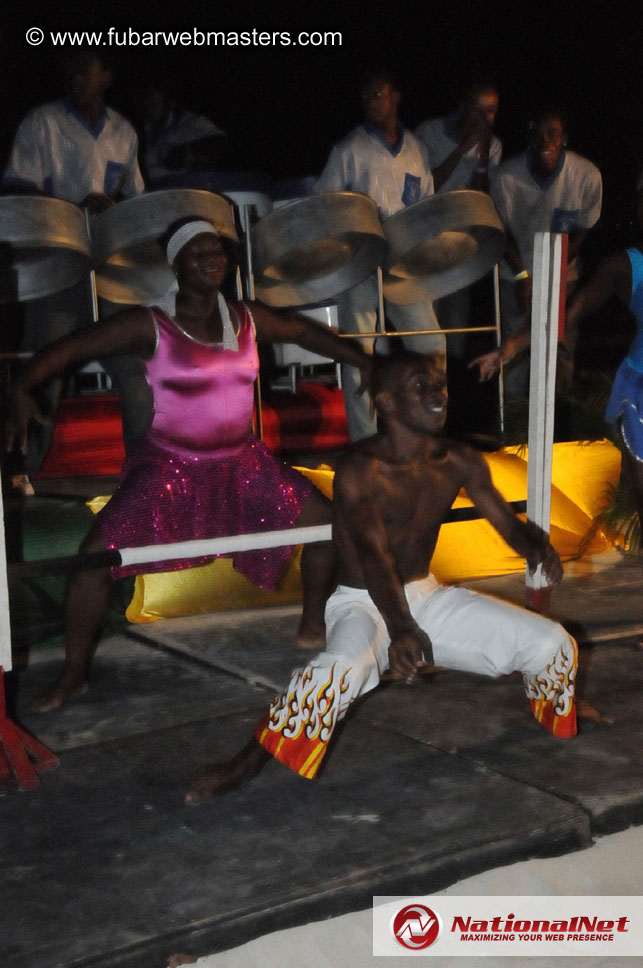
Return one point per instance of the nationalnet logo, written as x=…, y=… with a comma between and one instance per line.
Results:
x=560, y=926
x=416, y=926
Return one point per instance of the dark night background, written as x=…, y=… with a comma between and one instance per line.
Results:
x=284, y=107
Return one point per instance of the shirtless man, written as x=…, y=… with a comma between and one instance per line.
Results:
x=391, y=494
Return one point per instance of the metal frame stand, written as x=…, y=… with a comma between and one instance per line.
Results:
x=22, y=757
x=247, y=287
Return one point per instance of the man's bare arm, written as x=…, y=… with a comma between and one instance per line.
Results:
x=476, y=131
x=359, y=517
x=523, y=536
x=612, y=278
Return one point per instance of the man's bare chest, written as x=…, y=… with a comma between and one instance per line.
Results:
x=416, y=498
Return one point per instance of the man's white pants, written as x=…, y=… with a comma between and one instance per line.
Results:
x=468, y=631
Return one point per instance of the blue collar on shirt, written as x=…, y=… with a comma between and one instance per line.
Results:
x=544, y=181
x=395, y=149
x=94, y=129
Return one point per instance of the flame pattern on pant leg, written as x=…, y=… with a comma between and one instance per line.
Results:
x=300, y=723
x=551, y=692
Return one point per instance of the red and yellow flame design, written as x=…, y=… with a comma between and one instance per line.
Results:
x=551, y=692
x=300, y=722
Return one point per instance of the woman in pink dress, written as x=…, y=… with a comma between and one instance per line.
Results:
x=198, y=472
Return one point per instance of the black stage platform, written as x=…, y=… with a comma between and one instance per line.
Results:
x=103, y=865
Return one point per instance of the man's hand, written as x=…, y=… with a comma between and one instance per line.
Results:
x=543, y=553
x=474, y=129
x=22, y=410
x=488, y=364
x=407, y=652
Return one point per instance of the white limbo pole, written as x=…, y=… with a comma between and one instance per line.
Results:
x=550, y=251
x=226, y=545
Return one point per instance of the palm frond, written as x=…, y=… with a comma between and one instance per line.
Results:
x=620, y=518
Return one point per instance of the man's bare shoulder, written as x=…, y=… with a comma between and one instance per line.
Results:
x=359, y=462
x=366, y=460
x=465, y=455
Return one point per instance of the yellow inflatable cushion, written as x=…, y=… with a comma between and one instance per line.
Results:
x=465, y=549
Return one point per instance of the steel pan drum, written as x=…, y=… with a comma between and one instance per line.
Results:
x=313, y=248
x=131, y=265
x=44, y=247
x=441, y=245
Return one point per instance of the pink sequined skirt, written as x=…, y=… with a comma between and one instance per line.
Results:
x=163, y=498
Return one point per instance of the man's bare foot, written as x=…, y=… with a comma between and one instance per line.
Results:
x=68, y=686
x=585, y=711
x=175, y=960
x=214, y=779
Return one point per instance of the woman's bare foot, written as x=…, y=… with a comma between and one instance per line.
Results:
x=585, y=711
x=69, y=686
x=175, y=960
x=214, y=779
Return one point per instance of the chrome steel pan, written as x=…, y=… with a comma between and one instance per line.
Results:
x=44, y=247
x=315, y=247
x=441, y=245
x=130, y=264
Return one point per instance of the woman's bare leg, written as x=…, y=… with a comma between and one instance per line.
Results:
x=86, y=601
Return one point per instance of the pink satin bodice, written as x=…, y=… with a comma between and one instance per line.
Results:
x=203, y=394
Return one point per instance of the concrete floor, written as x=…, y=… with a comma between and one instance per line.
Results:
x=610, y=866
x=103, y=865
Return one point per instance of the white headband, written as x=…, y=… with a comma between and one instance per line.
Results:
x=185, y=234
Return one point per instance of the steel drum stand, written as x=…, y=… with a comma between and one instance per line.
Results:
x=248, y=290
x=396, y=334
